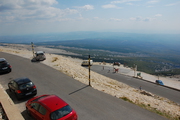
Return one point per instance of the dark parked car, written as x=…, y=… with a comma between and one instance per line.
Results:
x=22, y=87
x=159, y=82
x=50, y=107
x=116, y=63
x=5, y=67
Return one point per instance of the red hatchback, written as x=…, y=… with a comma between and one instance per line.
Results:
x=50, y=107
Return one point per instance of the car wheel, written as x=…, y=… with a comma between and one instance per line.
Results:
x=9, y=70
x=18, y=98
x=9, y=89
x=28, y=112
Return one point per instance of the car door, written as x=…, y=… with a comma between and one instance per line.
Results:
x=42, y=111
x=34, y=109
x=38, y=111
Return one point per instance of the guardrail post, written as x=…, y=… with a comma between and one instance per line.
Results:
x=32, y=48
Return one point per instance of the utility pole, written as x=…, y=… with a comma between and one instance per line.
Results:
x=89, y=72
x=32, y=48
x=135, y=68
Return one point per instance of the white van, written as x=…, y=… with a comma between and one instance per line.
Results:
x=86, y=62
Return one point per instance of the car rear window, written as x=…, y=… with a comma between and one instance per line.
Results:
x=40, y=98
x=40, y=54
x=26, y=85
x=3, y=63
x=60, y=112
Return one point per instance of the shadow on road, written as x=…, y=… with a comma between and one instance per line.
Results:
x=14, y=99
x=26, y=116
x=34, y=60
x=79, y=89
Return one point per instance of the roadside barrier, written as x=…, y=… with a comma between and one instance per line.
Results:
x=11, y=111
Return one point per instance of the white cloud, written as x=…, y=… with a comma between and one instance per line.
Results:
x=172, y=4
x=123, y=1
x=152, y=1
x=96, y=17
x=19, y=10
x=150, y=6
x=129, y=4
x=111, y=6
x=113, y=3
x=139, y=18
x=87, y=7
x=9, y=5
x=158, y=15
x=115, y=19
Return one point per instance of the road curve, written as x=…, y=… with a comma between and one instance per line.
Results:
x=89, y=103
x=171, y=94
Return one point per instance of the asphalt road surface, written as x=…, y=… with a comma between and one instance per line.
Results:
x=171, y=94
x=90, y=104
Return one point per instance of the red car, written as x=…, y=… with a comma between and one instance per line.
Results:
x=50, y=107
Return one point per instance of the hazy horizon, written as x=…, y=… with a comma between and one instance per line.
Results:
x=91, y=35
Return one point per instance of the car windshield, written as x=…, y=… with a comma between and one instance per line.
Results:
x=60, y=112
x=26, y=85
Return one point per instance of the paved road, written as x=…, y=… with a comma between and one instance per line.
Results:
x=136, y=83
x=89, y=103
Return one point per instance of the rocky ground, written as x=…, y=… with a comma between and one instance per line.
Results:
x=73, y=68
x=2, y=114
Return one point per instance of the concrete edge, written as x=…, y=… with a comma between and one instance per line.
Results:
x=10, y=109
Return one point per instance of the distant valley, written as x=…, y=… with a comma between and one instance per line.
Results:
x=154, y=54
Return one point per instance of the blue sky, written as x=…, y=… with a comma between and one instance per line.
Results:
x=19, y=17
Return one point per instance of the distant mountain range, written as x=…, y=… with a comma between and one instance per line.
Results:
x=159, y=48
x=90, y=35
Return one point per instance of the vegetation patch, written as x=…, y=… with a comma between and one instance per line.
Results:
x=155, y=110
x=54, y=59
x=126, y=99
x=162, y=113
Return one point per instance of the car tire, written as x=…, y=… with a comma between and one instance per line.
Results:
x=9, y=70
x=9, y=89
x=28, y=112
x=18, y=98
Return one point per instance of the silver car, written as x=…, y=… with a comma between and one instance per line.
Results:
x=40, y=56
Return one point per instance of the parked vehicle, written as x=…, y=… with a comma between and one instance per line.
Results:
x=159, y=82
x=5, y=67
x=50, y=107
x=22, y=87
x=116, y=63
x=40, y=56
x=86, y=62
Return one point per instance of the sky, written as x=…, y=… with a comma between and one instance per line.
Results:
x=21, y=17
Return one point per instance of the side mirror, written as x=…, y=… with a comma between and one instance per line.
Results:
x=10, y=83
